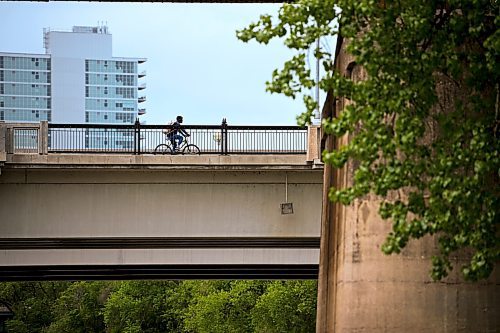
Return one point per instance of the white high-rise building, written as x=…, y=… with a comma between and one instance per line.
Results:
x=77, y=81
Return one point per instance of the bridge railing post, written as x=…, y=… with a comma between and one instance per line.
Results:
x=223, y=133
x=20, y=138
x=43, y=138
x=3, y=141
x=137, y=137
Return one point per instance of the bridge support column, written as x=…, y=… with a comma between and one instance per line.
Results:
x=325, y=317
x=313, y=143
x=362, y=290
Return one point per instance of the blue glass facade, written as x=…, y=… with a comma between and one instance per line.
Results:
x=110, y=91
x=25, y=88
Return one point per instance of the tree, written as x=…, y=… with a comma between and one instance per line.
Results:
x=143, y=306
x=31, y=303
x=440, y=147
x=160, y=306
x=224, y=307
x=286, y=306
x=79, y=308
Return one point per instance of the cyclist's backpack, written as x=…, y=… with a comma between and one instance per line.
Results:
x=169, y=131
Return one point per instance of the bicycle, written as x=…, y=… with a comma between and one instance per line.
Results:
x=184, y=148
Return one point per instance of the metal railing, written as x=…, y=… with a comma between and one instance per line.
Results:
x=23, y=138
x=142, y=139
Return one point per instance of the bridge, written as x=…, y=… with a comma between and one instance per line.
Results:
x=248, y=206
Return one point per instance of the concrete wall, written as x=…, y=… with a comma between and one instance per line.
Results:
x=69, y=202
x=80, y=45
x=68, y=90
x=379, y=293
x=69, y=51
x=362, y=290
x=77, y=203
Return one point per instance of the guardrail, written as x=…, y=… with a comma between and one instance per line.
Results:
x=142, y=139
x=23, y=138
x=211, y=139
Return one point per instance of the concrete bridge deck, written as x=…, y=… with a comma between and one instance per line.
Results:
x=98, y=216
x=165, y=162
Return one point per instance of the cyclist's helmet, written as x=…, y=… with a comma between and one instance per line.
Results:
x=179, y=119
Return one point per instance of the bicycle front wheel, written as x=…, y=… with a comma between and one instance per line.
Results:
x=162, y=149
x=191, y=150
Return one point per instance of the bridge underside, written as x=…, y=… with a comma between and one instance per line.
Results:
x=167, y=258
x=158, y=272
x=174, y=219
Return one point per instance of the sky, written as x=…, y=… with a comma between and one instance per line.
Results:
x=196, y=66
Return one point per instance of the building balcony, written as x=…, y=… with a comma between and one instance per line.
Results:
x=141, y=99
x=141, y=61
x=142, y=86
x=141, y=112
x=142, y=74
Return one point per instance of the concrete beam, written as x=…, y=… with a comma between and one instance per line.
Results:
x=180, y=162
x=51, y=257
x=77, y=216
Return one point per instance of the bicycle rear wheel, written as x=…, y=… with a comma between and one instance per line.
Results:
x=191, y=150
x=162, y=149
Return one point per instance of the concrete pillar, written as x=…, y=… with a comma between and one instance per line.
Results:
x=43, y=138
x=9, y=139
x=3, y=142
x=313, y=143
x=362, y=290
x=325, y=311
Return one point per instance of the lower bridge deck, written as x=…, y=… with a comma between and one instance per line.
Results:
x=172, y=220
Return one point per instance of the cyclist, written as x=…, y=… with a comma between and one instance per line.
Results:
x=174, y=136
